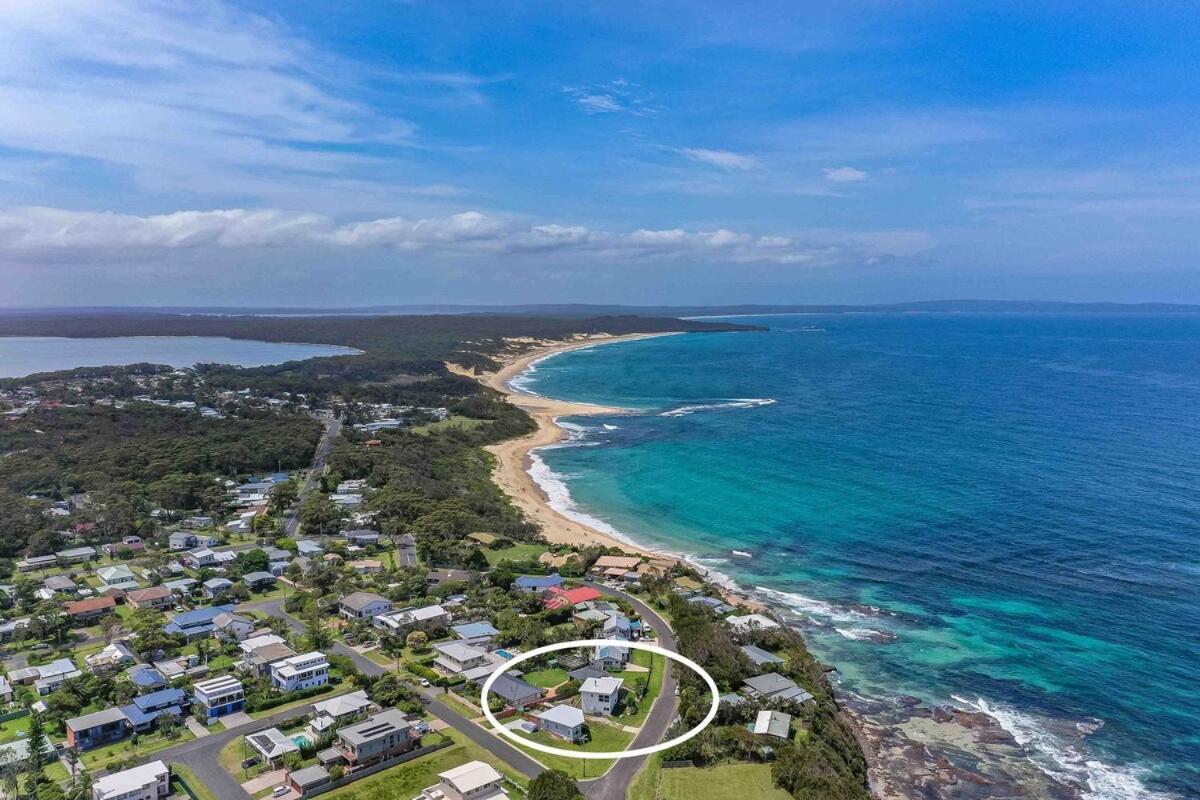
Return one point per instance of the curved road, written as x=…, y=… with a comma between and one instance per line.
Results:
x=614, y=783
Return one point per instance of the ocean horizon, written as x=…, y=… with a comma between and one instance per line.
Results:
x=991, y=511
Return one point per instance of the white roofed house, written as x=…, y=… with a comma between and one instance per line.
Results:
x=305, y=671
x=147, y=782
x=364, y=605
x=249, y=645
x=335, y=711
x=272, y=745
x=601, y=695
x=772, y=723
x=219, y=696
x=475, y=780
x=201, y=557
x=230, y=627
x=111, y=658
x=76, y=555
x=610, y=656
x=563, y=721
x=117, y=577
x=406, y=619
x=456, y=658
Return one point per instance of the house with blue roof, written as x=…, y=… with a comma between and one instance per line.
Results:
x=198, y=623
x=144, y=711
x=475, y=631
x=146, y=677
x=533, y=584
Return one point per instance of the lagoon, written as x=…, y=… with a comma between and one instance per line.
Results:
x=25, y=355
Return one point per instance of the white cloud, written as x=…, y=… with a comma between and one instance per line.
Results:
x=725, y=159
x=844, y=174
x=45, y=231
x=616, y=97
x=201, y=97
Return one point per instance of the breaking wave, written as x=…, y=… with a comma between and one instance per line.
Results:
x=1064, y=761
x=747, y=402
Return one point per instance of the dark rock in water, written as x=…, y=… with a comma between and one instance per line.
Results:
x=942, y=714
x=908, y=701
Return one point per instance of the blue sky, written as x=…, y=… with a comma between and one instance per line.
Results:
x=393, y=152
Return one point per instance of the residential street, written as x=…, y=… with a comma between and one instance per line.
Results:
x=614, y=783
x=201, y=755
x=291, y=522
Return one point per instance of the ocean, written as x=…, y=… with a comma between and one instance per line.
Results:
x=996, y=511
x=25, y=355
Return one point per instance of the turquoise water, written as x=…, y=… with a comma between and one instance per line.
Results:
x=999, y=509
x=24, y=355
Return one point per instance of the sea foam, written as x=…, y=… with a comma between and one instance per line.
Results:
x=745, y=402
x=1062, y=760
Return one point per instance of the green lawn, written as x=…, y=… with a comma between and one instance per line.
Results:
x=14, y=729
x=180, y=772
x=653, y=688
x=603, y=739
x=645, y=782
x=546, y=678
x=407, y=780
x=454, y=422
x=518, y=552
x=719, y=783
x=102, y=757
x=56, y=772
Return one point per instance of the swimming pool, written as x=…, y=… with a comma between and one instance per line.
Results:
x=504, y=654
x=301, y=741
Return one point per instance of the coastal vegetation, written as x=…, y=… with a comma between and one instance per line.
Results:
x=135, y=466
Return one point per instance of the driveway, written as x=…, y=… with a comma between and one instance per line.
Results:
x=196, y=728
x=236, y=719
x=265, y=781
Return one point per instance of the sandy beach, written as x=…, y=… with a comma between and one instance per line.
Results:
x=512, y=457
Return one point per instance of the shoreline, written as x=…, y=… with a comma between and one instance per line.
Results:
x=911, y=747
x=514, y=457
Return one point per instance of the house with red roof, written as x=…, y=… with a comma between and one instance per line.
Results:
x=560, y=598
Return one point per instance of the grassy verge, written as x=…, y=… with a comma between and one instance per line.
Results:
x=653, y=689
x=453, y=422
x=201, y=791
x=720, y=783
x=109, y=754
x=603, y=739
x=644, y=785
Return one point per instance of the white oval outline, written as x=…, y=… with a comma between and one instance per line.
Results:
x=670, y=655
